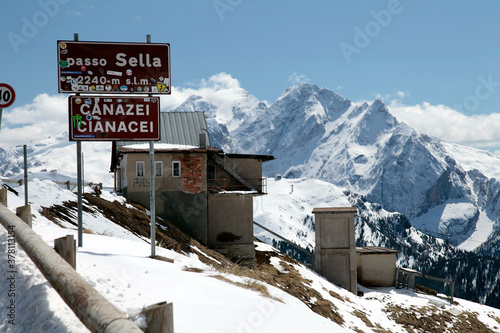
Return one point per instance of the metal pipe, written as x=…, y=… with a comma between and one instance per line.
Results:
x=94, y=311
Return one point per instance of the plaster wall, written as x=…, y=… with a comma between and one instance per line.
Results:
x=376, y=270
x=231, y=224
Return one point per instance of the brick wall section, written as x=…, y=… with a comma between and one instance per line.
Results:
x=192, y=174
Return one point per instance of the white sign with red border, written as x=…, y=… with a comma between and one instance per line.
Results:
x=7, y=95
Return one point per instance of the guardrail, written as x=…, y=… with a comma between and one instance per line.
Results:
x=58, y=182
x=94, y=311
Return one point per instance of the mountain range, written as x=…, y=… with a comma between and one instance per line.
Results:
x=435, y=202
x=446, y=190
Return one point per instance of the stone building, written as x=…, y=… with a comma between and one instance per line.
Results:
x=204, y=191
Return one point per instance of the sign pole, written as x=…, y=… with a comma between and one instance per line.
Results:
x=79, y=181
x=152, y=200
x=25, y=153
x=1, y=111
x=79, y=186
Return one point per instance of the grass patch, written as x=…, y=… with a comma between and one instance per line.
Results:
x=431, y=320
x=192, y=269
x=249, y=284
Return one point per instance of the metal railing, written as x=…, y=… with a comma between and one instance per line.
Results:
x=58, y=182
x=405, y=278
x=257, y=185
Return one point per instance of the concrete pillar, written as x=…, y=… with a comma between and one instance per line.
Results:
x=159, y=318
x=3, y=196
x=24, y=213
x=66, y=247
x=335, y=252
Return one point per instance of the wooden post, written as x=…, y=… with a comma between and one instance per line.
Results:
x=68, y=185
x=3, y=196
x=66, y=247
x=24, y=213
x=159, y=318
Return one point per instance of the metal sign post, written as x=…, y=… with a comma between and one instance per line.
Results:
x=79, y=183
x=152, y=200
x=25, y=153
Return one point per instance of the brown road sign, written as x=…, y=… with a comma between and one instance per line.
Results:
x=113, y=68
x=105, y=118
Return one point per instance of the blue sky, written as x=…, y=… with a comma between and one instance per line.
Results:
x=443, y=53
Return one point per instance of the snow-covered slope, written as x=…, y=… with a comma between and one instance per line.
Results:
x=210, y=299
x=55, y=158
x=287, y=211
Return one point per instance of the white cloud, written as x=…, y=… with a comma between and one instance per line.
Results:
x=402, y=94
x=46, y=116
x=450, y=125
x=296, y=78
x=203, y=88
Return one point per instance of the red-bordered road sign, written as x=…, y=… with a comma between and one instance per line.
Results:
x=105, y=118
x=113, y=68
x=7, y=95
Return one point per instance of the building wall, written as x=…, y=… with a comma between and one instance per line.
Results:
x=222, y=221
x=181, y=200
x=231, y=224
x=248, y=168
x=335, y=253
x=192, y=179
x=376, y=270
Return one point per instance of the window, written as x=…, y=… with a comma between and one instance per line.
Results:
x=139, y=169
x=176, y=169
x=159, y=169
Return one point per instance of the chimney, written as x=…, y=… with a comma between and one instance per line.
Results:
x=203, y=140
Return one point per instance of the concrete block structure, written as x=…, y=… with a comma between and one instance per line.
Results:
x=335, y=252
x=376, y=266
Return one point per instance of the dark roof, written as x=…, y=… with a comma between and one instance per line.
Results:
x=131, y=149
x=179, y=128
x=264, y=158
x=375, y=250
x=335, y=210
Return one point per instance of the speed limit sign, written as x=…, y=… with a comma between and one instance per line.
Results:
x=7, y=95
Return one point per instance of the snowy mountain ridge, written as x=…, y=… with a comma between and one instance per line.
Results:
x=316, y=133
